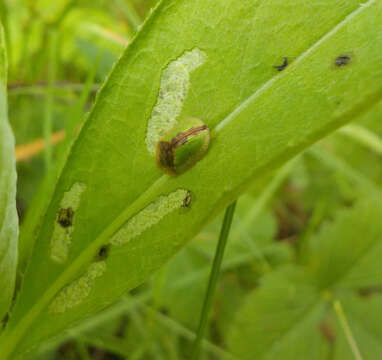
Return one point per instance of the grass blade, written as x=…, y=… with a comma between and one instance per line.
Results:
x=215, y=271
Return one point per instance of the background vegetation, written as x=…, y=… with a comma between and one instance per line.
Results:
x=302, y=275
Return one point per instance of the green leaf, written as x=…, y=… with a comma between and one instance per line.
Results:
x=347, y=252
x=363, y=315
x=3, y=60
x=8, y=213
x=284, y=310
x=212, y=60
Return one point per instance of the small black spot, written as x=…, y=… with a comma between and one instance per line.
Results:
x=65, y=217
x=103, y=253
x=369, y=291
x=187, y=200
x=164, y=310
x=283, y=65
x=342, y=60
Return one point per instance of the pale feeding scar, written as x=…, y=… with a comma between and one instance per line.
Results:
x=151, y=215
x=76, y=292
x=174, y=86
x=64, y=223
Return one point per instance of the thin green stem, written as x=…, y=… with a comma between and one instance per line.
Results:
x=334, y=162
x=130, y=13
x=259, y=205
x=48, y=118
x=78, y=110
x=4, y=19
x=61, y=89
x=182, y=331
x=108, y=343
x=138, y=352
x=346, y=328
x=140, y=325
x=52, y=74
x=213, y=279
x=302, y=242
x=112, y=313
x=82, y=351
x=363, y=136
x=265, y=197
x=62, y=15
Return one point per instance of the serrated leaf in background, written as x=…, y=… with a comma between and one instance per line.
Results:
x=363, y=314
x=280, y=319
x=347, y=252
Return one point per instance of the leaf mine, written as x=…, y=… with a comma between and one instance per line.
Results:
x=175, y=83
x=151, y=215
x=74, y=294
x=64, y=225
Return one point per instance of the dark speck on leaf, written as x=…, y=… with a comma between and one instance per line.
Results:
x=65, y=217
x=342, y=60
x=103, y=252
x=187, y=200
x=283, y=65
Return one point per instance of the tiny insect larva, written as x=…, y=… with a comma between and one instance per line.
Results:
x=103, y=253
x=65, y=217
x=342, y=60
x=183, y=146
x=187, y=200
x=283, y=65
x=64, y=223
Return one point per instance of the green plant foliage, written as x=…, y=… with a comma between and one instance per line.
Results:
x=8, y=213
x=363, y=315
x=347, y=254
x=294, y=305
x=258, y=117
x=285, y=309
x=90, y=32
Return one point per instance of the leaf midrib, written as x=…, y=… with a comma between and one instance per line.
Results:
x=7, y=343
x=336, y=283
x=363, y=327
x=309, y=312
